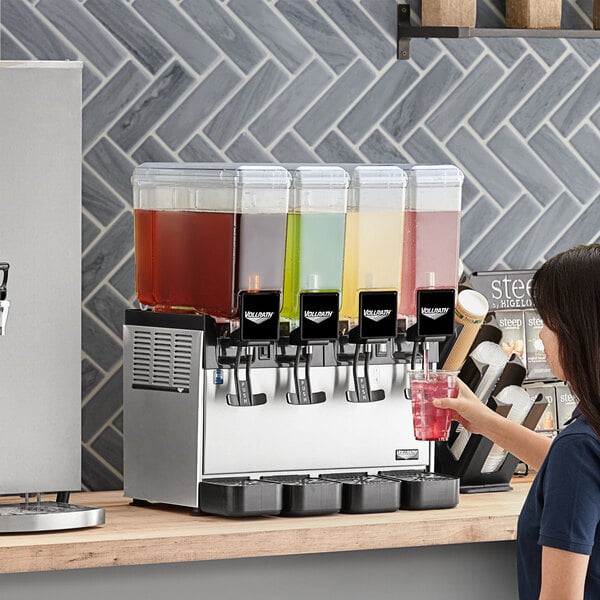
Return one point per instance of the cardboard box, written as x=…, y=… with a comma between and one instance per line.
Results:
x=533, y=14
x=512, y=324
x=537, y=367
x=455, y=13
x=565, y=404
x=549, y=420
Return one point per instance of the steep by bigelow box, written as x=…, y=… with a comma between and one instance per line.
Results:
x=504, y=290
x=512, y=324
x=537, y=367
x=565, y=404
x=548, y=421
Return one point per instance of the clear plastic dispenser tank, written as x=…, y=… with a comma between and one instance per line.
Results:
x=263, y=201
x=431, y=231
x=374, y=233
x=185, y=237
x=315, y=234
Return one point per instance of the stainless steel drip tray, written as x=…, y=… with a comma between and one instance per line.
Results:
x=47, y=516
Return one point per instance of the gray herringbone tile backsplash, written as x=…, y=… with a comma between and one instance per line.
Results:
x=310, y=80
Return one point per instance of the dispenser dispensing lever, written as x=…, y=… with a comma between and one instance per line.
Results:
x=4, y=303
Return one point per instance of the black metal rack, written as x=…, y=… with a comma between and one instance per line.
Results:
x=406, y=32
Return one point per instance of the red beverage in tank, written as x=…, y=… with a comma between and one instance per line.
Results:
x=185, y=261
x=429, y=422
x=430, y=246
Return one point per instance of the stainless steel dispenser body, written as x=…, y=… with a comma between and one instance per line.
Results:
x=40, y=237
x=179, y=428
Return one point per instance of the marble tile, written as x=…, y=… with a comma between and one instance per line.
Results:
x=526, y=166
x=317, y=32
x=84, y=32
x=90, y=377
x=466, y=51
x=95, y=475
x=23, y=22
x=475, y=86
x=549, y=95
x=273, y=31
x=98, y=199
x=109, y=308
x=384, y=13
x=206, y=98
x=113, y=166
x=587, y=142
x=124, y=279
x=379, y=99
x=115, y=96
x=10, y=48
x=187, y=40
x=151, y=150
x=507, y=96
x=89, y=232
x=109, y=445
x=430, y=89
x=107, y=253
x=483, y=166
x=225, y=32
x=245, y=149
x=246, y=104
x=507, y=50
x=105, y=351
x=131, y=31
x=576, y=177
x=353, y=21
x=578, y=104
x=97, y=413
x=198, y=150
x=545, y=231
x=476, y=222
x=498, y=240
x=334, y=149
x=151, y=106
x=378, y=149
x=292, y=149
x=584, y=230
x=548, y=49
x=291, y=102
x=334, y=102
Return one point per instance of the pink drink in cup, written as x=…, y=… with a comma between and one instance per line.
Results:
x=429, y=422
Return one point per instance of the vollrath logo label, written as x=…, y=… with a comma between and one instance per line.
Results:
x=258, y=317
x=318, y=316
x=407, y=454
x=434, y=313
x=376, y=315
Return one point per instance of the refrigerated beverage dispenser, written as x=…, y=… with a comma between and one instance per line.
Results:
x=40, y=297
x=266, y=369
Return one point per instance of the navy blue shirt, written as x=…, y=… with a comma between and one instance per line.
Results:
x=562, y=509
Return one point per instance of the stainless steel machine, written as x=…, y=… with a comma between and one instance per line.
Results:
x=40, y=270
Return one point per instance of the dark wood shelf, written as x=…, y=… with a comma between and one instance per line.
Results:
x=406, y=32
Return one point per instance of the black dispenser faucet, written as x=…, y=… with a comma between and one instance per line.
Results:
x=377, y=323
x=259, y=325
x=319, y=312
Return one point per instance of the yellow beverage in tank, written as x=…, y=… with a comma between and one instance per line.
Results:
x=373, y=255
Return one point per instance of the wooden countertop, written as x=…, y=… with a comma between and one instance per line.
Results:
x=165, y=534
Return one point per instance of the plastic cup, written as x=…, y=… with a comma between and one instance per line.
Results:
x=429, y=422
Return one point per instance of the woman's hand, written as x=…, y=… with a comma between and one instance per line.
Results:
x=467, y=408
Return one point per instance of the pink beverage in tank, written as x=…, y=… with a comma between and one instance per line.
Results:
x=431, y=423
x=431, y=241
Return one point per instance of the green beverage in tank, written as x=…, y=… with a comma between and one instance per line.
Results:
x=314, y=257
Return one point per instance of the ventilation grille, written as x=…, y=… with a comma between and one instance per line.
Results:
x=162, y=360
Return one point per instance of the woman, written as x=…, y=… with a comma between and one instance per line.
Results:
x=558, y=538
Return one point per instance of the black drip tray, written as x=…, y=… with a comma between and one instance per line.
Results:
x=240, y=497
x=362, y=493
x=303, y=495
x=420, y=490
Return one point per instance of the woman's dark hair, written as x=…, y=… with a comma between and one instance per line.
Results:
x=566, y=293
